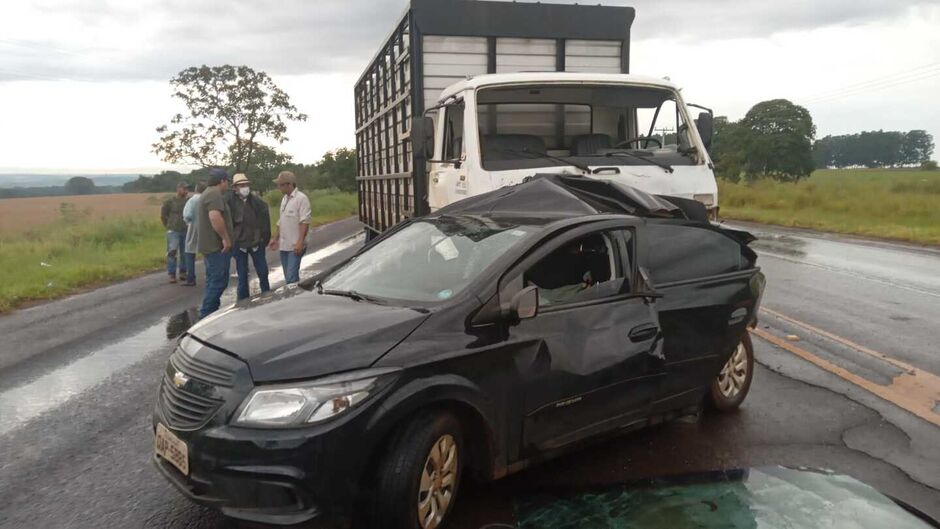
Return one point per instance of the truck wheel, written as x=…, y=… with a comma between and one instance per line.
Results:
x=418, y=479
x=732, y=384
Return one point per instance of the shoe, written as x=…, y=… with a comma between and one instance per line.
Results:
x=187, y=284
x=172, y=279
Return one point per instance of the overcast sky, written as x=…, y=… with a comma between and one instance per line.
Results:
x=83, y=83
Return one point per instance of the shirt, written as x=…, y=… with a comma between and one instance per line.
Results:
x=172, y=213
x=295, y=210
x=190, y=218
x=208, y=241
x=245, y=220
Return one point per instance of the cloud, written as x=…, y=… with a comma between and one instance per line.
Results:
x=100, y=40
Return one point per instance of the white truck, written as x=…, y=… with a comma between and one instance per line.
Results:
x=469, y=96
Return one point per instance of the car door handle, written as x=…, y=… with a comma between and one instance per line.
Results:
x=644, y=332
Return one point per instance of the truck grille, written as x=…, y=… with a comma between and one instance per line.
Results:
x=183, y=409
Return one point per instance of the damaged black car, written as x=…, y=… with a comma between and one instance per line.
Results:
x=494, y=333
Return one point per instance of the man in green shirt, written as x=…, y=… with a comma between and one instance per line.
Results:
x=215, y=239
x=171, y=214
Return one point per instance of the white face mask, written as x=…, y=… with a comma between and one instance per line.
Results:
x=244, y=191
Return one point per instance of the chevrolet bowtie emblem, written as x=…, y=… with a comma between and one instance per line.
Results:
x=179, y=379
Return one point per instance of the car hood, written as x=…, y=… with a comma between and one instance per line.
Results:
x=296, y=334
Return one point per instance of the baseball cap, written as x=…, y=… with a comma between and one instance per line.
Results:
x=216, y=175
x=285, y=177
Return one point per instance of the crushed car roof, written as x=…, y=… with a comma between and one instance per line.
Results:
x=554, y=195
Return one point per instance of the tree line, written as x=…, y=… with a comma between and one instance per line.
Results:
x=776, y=139
x=876, y=148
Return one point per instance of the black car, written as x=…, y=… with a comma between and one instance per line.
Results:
x=497, y=332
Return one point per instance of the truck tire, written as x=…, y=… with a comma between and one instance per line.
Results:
x=732, y=384
x=417, y=481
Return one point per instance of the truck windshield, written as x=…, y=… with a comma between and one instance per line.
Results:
x=527, y=126
x=427, y=261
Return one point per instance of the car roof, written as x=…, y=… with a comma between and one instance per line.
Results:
x=487, y=80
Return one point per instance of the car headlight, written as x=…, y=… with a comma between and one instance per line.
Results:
x=707, y=199
x=303, y=404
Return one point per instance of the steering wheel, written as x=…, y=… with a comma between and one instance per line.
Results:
x=638, y=139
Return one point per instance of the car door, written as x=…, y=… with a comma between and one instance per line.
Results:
x=591, y=358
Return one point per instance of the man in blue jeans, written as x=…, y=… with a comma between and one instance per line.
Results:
x=171, y=214
x=292, y=226
x=252, y=222
x=214, y=239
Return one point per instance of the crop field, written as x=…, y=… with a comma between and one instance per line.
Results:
x=20, y=215
x=896, y=204
x=53, y=246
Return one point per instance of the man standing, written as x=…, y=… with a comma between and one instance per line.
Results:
x=292, y=226
x=214, y=234
x=190, y=217
x=252, y=222
x=171, y=214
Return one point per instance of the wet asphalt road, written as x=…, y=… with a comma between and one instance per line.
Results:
x=78, y=377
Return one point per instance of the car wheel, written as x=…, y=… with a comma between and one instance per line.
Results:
x=730, y=387
x=418, y=479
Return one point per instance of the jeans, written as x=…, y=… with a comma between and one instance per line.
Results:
x=290, y=263
x=175, y=244
x=190, y=260
x=241, y=266
x=217, y=271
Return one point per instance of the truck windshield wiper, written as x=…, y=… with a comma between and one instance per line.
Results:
x=538, y=155
x=351, y=294
x=665, y=167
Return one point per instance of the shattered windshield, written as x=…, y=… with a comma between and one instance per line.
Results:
x=525, y=127
x=427, y=261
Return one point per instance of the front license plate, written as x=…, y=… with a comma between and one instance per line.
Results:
x=171, y=448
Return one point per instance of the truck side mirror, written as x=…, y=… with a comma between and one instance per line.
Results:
x=422, y=137
x=706, y=128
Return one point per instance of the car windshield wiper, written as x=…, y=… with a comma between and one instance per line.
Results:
x=539, y=155
x=351, y=294
x=665, y=167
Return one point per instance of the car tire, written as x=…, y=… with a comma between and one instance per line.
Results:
x=418, y=480
x=729, y=389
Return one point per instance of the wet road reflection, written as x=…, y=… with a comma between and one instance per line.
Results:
x=23, y=403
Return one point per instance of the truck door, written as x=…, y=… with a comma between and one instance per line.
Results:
x=448, y=177
x=593, y=357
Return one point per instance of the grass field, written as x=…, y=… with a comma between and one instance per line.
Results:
x=48, y=250
x=894, y=204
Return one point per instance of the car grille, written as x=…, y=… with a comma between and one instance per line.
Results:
x=202, y=370
x=185, y=410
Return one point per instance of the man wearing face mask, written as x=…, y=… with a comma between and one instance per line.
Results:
x=252, y=222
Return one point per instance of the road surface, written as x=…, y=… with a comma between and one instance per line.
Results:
x=847, y=350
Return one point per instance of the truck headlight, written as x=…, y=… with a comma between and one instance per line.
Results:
x=707, y=199
x=308, y=403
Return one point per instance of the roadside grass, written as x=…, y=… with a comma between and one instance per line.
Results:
x=78, y=251
x=894, y=204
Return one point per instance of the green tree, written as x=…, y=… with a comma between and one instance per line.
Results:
x=229, y=110
x=727, y=149
x=80, y=185
x=265, y=164
x=778, y=141
x=917, y=147
x=337, y=169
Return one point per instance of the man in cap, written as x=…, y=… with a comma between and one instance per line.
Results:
x=252, y=222
x=214, y=238
x=192, y=248
x=171, y=214
x=292, y=226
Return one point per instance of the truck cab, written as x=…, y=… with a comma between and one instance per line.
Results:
x=496, y=130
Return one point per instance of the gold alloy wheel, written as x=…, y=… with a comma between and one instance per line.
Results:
x=734, y=374
x=438, y=482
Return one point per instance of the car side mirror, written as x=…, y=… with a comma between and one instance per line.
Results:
x=422, y=137
x=706, y=128
x=524, y=305
x=646, y=286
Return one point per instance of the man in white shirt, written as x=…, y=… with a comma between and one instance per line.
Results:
x=290, y=236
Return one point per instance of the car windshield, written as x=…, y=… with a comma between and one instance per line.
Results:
x=556, y=124
x=428, y=260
